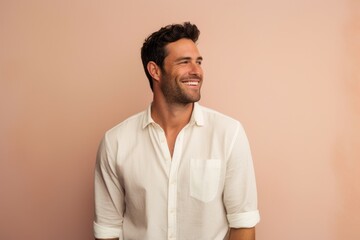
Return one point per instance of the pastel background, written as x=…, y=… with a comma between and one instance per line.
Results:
x=288, y=70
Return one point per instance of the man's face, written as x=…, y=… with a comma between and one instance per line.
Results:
x=182, y=75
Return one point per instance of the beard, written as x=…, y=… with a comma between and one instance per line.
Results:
x=175, y=92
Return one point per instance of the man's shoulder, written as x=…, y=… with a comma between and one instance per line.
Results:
x=130, y=124
x=221, y=124
x=215, y=117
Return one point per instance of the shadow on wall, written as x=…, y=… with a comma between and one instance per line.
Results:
x=347, y=154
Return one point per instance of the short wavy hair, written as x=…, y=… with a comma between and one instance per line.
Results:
x=154, y=49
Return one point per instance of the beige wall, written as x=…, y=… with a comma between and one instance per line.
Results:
x=289, y=70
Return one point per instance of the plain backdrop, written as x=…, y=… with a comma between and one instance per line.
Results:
x=288, y=70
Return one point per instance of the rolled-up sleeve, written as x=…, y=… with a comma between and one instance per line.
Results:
x=109, y=195
x=240, y=193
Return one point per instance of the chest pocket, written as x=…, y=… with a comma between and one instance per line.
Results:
x=204, y=178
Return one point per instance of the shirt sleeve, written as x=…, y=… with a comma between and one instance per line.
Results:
x=240, y=194
x=109, y=195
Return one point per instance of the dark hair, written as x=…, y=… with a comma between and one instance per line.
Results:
x=153, y=48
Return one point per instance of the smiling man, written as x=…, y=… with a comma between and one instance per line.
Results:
x=177, y=170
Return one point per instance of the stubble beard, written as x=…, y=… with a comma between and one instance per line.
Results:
x=175, y=94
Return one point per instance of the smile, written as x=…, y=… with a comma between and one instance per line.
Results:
x=191, y=83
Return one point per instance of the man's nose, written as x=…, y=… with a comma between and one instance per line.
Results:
x=196, y=69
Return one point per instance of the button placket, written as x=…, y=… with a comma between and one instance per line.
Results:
x=163, y=143
x=172, y=198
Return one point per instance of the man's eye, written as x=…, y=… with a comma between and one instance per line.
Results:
x=199, y=62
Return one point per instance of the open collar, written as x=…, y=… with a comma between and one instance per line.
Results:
x=197, y=116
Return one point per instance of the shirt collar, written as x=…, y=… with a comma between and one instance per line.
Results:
x=196, y=116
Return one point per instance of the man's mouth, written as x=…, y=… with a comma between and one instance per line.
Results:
x=191, y=83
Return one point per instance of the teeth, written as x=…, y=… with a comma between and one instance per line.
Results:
x=192, y=83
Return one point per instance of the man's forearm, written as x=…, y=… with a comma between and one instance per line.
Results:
x=106, y=239
x=242, y=234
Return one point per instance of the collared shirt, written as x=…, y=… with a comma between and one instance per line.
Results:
x=207, y=186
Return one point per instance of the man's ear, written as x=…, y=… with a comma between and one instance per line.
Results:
x=154, y=70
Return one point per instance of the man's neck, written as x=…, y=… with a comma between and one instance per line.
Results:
x=171, y=117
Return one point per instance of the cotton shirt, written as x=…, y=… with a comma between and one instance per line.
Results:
x=207, y=186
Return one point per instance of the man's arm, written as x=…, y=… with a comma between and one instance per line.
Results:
x=240, y=196
x=242, y=234
x=107, y=239
x=109, y=196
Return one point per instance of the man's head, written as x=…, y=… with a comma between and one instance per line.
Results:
x=154, y=48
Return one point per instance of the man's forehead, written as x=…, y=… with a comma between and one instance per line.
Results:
x=182, y=47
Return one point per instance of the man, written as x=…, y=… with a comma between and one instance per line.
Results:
x=177, y=170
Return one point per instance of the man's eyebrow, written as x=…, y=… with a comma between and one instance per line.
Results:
x=188, y=58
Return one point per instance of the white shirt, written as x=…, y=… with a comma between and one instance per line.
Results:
x=205, y=188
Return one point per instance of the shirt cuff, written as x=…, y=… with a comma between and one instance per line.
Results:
x=243, y=220
x=107, y=232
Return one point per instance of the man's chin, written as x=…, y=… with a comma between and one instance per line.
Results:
x=194, y=99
